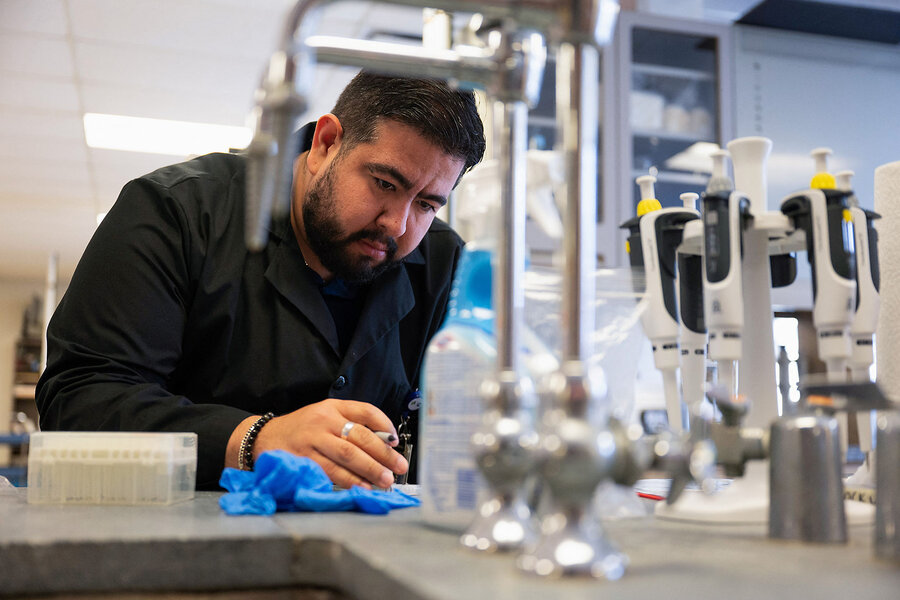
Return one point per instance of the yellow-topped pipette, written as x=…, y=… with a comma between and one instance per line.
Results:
x=648, y=195
x=822, y=213
x=654, y=236
x=822, y=180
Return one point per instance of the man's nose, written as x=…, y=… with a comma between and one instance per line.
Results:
x=393, y=217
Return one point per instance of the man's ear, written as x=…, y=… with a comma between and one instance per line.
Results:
x=326, y=142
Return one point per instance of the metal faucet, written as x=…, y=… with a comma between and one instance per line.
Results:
x=502, y=443
x=509, y=66
x=287, y=81
x=575, y=454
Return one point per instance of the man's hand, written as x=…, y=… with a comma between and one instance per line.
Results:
x=361, y=458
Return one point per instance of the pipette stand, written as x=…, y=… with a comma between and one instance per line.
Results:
x=746, y=499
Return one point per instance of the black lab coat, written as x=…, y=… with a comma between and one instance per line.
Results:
x=171, y=324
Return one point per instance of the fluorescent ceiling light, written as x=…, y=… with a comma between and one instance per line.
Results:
x=697, y=158
x=160, y=136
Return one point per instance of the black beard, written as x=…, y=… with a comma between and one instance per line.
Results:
x=327, y=240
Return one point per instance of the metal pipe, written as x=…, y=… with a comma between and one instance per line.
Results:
x=466, y=71
x=577, y=109
x=503, y=446
x=576, y=455
x=542, y=15
x=509, y=299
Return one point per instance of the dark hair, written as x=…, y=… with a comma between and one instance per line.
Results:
x=444, y=116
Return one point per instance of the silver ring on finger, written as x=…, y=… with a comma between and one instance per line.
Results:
x=345, y=430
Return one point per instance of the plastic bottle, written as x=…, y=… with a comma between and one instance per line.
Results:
x=459, y=357
x=463, y=352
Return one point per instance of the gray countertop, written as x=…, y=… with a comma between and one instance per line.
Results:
x=194, y=546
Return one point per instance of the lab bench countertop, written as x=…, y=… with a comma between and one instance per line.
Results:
x=194, y=546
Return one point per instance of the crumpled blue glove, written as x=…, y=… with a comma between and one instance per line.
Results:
x=282, y=481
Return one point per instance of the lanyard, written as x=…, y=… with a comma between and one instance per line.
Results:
x=404, y=431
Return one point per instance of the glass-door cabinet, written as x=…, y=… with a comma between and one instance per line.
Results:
x=673, y=103
x=665, y=96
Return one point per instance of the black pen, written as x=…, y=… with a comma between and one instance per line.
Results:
x=386, y=436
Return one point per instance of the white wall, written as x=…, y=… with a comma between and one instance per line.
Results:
x=804, y=91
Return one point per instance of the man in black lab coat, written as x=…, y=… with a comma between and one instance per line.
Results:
x=171, y=324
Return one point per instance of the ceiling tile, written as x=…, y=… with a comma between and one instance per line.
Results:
x=24, y=169
x=201, y=106
x=143, y=68
x=33, y=55
x=200, y=28
x=33, y=16
x=195, y=61
x=41, y=123
x=60, y=192
x=42, y=148
x=29, y=201
x=30, y=94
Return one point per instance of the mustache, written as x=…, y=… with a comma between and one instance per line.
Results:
x=374, y=236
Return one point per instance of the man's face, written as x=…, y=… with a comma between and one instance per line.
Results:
x=371, y=205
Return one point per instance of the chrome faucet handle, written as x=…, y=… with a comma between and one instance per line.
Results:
x=686, y=458
x=504, y=451
x=734, y=444
x=733, y=408
x=575, y=455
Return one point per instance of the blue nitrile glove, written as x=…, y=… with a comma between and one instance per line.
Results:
x=282, y=481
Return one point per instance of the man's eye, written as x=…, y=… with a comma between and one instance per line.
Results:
x=426, y=206
x=385, y=185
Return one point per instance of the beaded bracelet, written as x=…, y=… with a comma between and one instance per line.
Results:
x=245, y=455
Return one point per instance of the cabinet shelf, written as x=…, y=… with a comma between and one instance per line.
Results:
x=24, y=391
x=655, y=151
x=667, y=64
x=664, y=134
x=673, y=72
x=676, y=177
x=541, y=121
